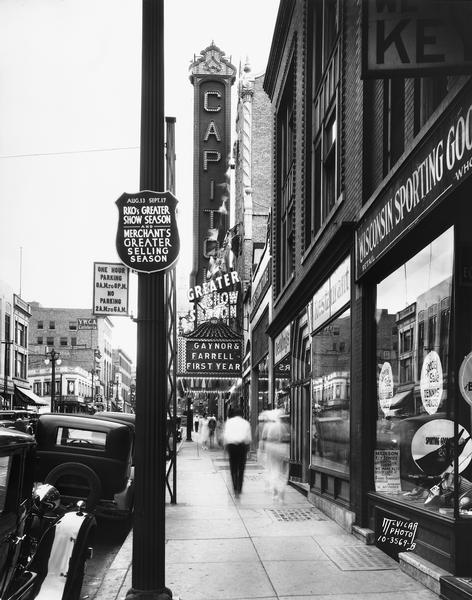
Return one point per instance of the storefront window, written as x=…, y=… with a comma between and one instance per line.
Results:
x=416, y=441
x=262, y=382
x=331, y=394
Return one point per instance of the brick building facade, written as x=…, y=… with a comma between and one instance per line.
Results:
x=370, y=180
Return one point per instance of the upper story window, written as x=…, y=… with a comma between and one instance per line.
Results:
x=285, y=214
x=21, y=334
x=40, y=325
x=20, y=365
x=429, y=93
x=322, y=188
x=52, y=324
x=324, y=15
x=7, y=326
x=72, y=325
x=394, y=119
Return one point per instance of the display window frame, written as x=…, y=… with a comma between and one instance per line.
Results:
x=441, y=427
x=332, y=467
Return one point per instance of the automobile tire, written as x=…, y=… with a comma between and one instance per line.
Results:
x=82, y=471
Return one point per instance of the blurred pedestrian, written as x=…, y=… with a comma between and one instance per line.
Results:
x=212, y=429
x=204, y=432
x=276, y=436
x=237, y=438
x=197, y=422
x=219, y=432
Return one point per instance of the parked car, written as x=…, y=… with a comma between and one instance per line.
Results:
x=22, y=420
x=43, y=549
x=88, y=458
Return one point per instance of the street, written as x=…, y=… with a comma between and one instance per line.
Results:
x=109, y=538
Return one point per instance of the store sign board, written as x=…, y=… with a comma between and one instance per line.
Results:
x=147, y=239
x=83, y=324
x=282, y=345
x=332, y=295
x=431, y=382
x=415, y=38
x=221, y=358
x=110, y=289
x=465, y=378
x=438, y=165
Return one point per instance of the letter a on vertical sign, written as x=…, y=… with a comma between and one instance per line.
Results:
x=147, y=239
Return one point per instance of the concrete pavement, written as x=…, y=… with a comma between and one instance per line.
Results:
x=254, y=547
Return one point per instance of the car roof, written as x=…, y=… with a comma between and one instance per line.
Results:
x=52, y=419
x=128, y=418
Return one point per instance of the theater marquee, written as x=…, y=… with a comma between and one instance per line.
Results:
x=214, y=357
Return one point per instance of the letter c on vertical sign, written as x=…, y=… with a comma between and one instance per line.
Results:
x=205, y=102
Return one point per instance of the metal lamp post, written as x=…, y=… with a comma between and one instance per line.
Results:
x=52, y=357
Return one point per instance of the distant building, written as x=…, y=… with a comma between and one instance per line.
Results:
x=84, y=344
x=15, y=316
x=122, y=381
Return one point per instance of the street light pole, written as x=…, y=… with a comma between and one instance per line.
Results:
x=149, y=543
x=52, y=357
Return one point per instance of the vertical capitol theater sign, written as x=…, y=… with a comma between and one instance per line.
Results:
x=212, y=76
x=147, y=239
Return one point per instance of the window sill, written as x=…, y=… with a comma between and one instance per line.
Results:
x=281, y=294
x=322, y=229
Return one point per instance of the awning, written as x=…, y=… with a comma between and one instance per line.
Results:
x=398, y=398
x=28, y=397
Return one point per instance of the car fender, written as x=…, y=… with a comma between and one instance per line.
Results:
x=70, y=531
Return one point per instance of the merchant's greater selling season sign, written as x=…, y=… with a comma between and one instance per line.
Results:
x=213, y=357
x=110, y=289
x=147, y=239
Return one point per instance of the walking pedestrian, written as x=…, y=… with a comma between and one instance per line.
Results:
x=237, y=437
x=211, y=429
x=205, y=434
x=276, y=436
x=197, y=422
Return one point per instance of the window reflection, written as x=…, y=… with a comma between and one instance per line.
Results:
x=331, y=394
x=415, y=423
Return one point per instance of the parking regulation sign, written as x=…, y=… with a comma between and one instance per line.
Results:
x=147, y=239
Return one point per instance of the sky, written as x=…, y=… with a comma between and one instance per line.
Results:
x=70, y=92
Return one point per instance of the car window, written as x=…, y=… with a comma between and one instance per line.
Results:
x=5, y=462
x=81, y=438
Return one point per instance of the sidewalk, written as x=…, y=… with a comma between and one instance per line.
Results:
x=219, y=548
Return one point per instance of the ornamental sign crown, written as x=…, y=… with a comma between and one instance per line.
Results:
x=147, y=239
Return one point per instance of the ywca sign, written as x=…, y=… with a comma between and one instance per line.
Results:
x=147, y=239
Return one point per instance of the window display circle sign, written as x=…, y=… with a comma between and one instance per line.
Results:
x=385, y=387
x=434, y=444
x=465, y=378
x=431, y=382
x=147, y=238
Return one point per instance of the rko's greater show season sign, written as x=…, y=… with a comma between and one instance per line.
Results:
x=147, y=239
